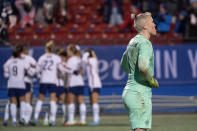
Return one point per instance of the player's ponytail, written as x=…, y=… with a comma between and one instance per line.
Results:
x=50, y=47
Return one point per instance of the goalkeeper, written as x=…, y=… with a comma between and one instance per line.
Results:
x=138, y=63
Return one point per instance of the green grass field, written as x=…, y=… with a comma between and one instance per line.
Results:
x=161, y=122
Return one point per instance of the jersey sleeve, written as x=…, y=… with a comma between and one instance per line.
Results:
x=144, y=60
x=64, y=68
x=85, y=57
x=6, y=68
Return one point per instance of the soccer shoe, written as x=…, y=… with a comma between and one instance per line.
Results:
x=52, y=123
x=81, y=123
x=70, y=123
x=5, y=123
x=34, y=123
x=94, y=123
x=13, y=123
x=22, y=122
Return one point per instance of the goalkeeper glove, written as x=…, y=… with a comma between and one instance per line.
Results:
x=154, y=83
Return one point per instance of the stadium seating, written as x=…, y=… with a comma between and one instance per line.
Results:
x=84, y=26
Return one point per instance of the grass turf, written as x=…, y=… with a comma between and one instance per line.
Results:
x=161, y=122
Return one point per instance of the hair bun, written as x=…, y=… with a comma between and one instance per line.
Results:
x=133, y=16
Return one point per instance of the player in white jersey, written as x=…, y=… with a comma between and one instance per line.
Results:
x=61, y=91
x=91, y=63
x=76, y=88
x=15, y=69
x=28, y=83
x=47, y=68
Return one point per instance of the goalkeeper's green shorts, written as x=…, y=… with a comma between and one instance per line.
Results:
x=139, y=109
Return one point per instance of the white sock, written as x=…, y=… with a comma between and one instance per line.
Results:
x=82, y=110
x=13, y=111
x=6, y=114
x=46, y=120
x=96, y=111
x=53, y=110
x=71, y=112
x=64, y=112
x=22, y=110
x=28, y=113
x=37, y=109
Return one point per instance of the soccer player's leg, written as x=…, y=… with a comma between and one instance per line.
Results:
x=20, y=93
x=82, y=106
x=28, y=110
x=53, y=105
x=42, y=92
x=71, y=107
x=6, y=114
x=13, y=103
x=94, y=94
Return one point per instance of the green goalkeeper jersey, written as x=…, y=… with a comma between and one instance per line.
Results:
x=139, y=57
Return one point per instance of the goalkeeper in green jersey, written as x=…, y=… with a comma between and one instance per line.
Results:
x=138, y=62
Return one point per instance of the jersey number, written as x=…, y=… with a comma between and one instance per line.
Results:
x=14, y=70
x=47, y=65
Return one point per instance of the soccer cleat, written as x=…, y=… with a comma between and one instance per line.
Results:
x=81, y=123
x=94, y=123
x=13, y=123
x=70, y=123
x=34, y=123
x=21, y=122
x=5, y=123
x=52, y=123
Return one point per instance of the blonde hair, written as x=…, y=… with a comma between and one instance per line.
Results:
x=75, y=49
x=50, y=46
x=140, y=20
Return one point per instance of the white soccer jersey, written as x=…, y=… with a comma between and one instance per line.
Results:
x=15, y=69
x=47, y=68
x=32, y=64
x=74, y=63
x=92, y=71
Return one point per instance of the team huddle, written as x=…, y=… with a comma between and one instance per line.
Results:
x=61, y=75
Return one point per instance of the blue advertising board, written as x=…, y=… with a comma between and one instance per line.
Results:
x=174, y=65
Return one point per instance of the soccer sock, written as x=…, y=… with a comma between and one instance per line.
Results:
x=22, y=110
x=13, y=111
x=53, y=110
x=64, y=112
x=96, y=111
x=28, y=112
x=82, y=110
x=6, y=115
x=71, y=112
x=37, y=109
x=46, y=117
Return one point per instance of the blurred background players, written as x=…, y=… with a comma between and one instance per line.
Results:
x=15, y=69
x=76, y=87
x=94, y=82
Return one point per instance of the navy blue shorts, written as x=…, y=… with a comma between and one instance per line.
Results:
x=14, y=92
x=92, y=90
x=60, y=91
x=44, y=88
x=27, y=87
x=66, y=90
x=77, y=90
